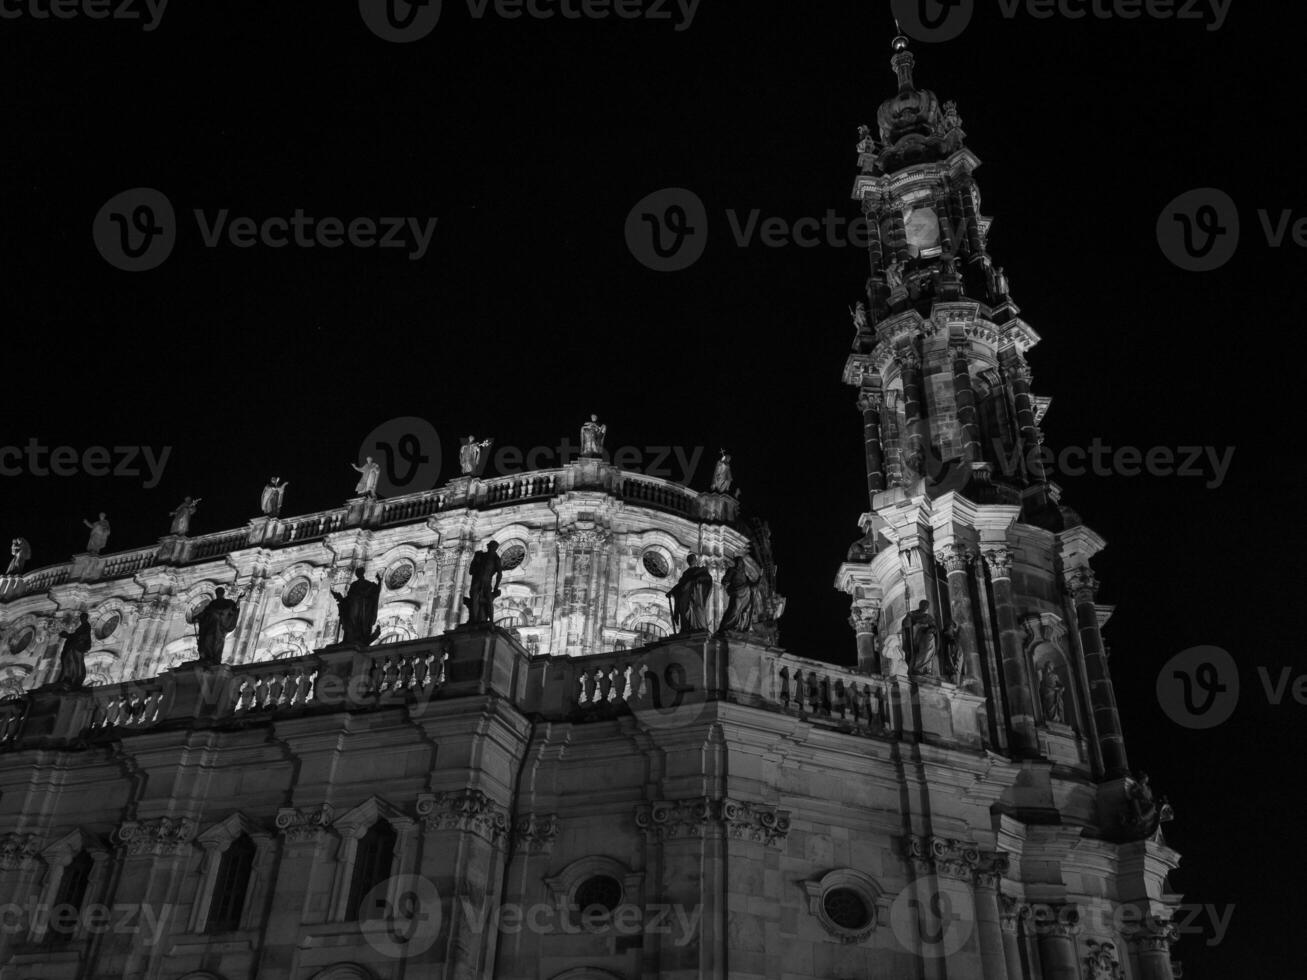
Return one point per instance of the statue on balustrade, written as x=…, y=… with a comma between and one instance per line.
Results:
x=689, y=599
x=469, y=454
x=99, y=534
x=22, y=554
x=921, y=642
x=592, y=437
x=1052, y=694
x=72, y=656
x=358, y=610
x=742, y=597
x=859, y=314
x=369, y=473
x=181, y=517
x=213, y=624
x=722, y=477
x=487, y=571
x=270, y=499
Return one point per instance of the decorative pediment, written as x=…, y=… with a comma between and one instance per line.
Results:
x=355, y=822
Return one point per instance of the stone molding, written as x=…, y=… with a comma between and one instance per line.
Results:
x=535, y=833
x=305, y=823
x=469, y=810
x=686, y=819
x=18, y=851
x=943, y=856
x=160, y=836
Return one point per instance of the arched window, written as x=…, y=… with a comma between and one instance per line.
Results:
x=231, y=885
x=372, y=863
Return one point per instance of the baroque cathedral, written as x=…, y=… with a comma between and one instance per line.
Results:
x=584, y=787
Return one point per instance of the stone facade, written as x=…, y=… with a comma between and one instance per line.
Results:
x=570, y=796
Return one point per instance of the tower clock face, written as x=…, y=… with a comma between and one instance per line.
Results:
x=922, y=225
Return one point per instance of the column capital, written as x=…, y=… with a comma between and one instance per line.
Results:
x=955, y=558
x=1155, y=936
x=908, y=359
x=992, y=869
x=999, y=560
x=865, y=619
x=1082, y=583
x=871, y=400
x=943, y=856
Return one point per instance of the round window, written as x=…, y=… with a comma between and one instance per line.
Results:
x=656, y=565
x=21, y=640
x=295, y=593
x=512, y=556
x=847, y=909
x=601, y=890
x=400, y=574
x=108, y=626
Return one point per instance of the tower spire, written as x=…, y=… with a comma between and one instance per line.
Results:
x=903, y=60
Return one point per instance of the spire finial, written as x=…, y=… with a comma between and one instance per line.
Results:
x=903, y=59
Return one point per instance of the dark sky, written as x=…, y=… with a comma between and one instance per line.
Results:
x=531, y=141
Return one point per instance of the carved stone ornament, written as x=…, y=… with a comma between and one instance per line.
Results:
x=943, y=856
x=680, y=819
x=18, y=851
x=160, y=836
x=535, y=833
x=467, y=810
x=305, y=823
x=1102, y=962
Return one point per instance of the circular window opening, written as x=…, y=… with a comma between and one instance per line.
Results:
x=21, y=641
x=106, y=628
x=847, y=909
x=295, y=593
x=400, y=575
x=656, y=565
x=512, y=556
x=601, y=891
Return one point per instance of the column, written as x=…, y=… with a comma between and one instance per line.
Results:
x=916, y=439
x=1083, y=587
x=966, y=201
x=1010, y=921
x=1016, y=676
x=893, y=442
x=993, y=955
x=956, y=560
x=1019, y=377
x=870, y=403
x=875, y=250
x=1057, y=948
x=1153, y=948
x=866, y=623
x=964, y=395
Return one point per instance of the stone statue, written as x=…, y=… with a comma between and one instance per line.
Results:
x=741, y=591
x=859, y=314
x=952, y=120
x=213, y=624
x=722, y=477
x=592, y=437
x=487, y=572
x=1052, y=695
x=866, y=150
x=954, y=662
x=358, y=610
x=181, y=517
x=367, y=485
x=894, y=275
x=22, y=552
x=72, y=656
x=99, y=534
x=921, y=642
x=689, y=599
x=270, y=499
x=469, y=455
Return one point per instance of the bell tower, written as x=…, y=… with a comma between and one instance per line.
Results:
x=971, y=576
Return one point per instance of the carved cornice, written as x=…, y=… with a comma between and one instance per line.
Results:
x=160, y=836
x=304, y=824
x=943, y=856
x=470, y=811
x=18, y=851
x=535, y=833
x=692, y=818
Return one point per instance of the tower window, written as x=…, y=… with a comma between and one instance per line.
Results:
x=71, y=895
x=372, y=862
x=232, y=883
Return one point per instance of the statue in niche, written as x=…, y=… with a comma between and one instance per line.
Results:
x=487, y=571
x=689, y=599
x=741, y=590
x=72, y=656
x=99, y=534
x=181, y=517
x=213, y=625
x=358, y=610
x=722, y=477
x=22, y=554
x=592, y=437
x=270, y=499
x=954, y=662
x=866, y=149
x=469, y=454
x=369, y=473
x=921, y=642
x=894, y=276
x=1052, y=694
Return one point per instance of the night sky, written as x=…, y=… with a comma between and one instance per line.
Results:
x=531, y=141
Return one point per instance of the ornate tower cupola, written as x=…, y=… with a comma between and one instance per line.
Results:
x=970, y=576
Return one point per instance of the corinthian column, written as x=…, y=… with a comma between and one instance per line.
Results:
x=870, y=403
x=865, y=622
x=1016, y=674
x=1018, y=372
x=1083, y=588
x=914, y=419
x=989, y=917
x=965, y=397
x=1153, y=946
x=1057, y=949
x=956, y=560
